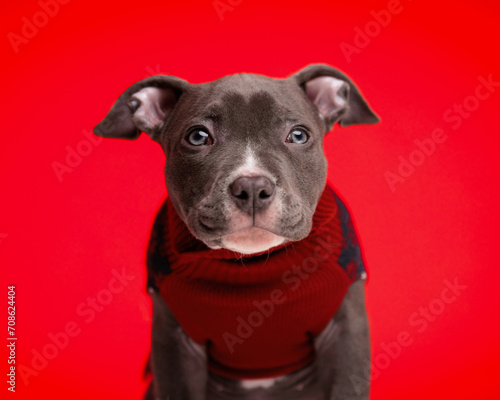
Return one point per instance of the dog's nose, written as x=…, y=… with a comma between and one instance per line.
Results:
x=252, y=193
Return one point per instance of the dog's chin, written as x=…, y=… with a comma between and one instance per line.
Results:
x=251, y=240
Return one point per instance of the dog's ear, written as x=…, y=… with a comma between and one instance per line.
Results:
x=335, y=96
x=143, y=107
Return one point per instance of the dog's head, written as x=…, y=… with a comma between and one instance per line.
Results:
x=244, y=154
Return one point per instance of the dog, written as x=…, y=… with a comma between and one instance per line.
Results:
x=254, y=268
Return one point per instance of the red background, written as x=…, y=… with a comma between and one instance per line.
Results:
x=60, y=241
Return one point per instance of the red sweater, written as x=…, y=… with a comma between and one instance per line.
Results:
x=257, y=315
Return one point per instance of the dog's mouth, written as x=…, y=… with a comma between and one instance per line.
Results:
x=247, y=240
x=248, y=234
x=207, y=226
x=251, y=240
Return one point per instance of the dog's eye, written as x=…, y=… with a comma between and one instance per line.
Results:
x=199, y=137
x=297, y=136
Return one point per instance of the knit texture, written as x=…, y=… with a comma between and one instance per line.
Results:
x=257, y=315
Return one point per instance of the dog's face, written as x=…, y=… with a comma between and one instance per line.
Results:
x=245, y=164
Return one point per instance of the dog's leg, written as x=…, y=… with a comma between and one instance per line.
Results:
x=179, y=365
x=343, y=349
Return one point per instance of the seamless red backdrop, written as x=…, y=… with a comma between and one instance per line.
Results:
x=427, y=216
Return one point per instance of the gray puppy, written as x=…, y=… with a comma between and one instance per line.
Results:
x=254, y=269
